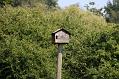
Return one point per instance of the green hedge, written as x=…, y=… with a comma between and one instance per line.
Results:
x=27, y=52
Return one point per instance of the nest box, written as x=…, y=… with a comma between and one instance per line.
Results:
x=60, y=36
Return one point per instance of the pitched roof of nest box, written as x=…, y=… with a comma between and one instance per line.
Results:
x=61, y=30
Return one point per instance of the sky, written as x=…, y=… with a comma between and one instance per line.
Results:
x=82, y=3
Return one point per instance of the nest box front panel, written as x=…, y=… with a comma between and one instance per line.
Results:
x=61, y=37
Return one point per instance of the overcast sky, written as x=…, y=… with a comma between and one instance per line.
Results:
x=82, y=3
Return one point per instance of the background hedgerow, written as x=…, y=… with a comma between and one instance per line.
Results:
x=27, y=52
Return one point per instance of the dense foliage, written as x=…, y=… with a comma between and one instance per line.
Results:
x=29, y=3
x=27, y=52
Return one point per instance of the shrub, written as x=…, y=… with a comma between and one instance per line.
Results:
x=26, y=50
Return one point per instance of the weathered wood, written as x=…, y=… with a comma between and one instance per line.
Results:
x=59, y=61
x=60, y=36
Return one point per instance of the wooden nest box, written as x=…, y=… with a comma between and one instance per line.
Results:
x=60, y=36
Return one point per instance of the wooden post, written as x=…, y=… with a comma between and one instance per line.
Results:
x=59, y=61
